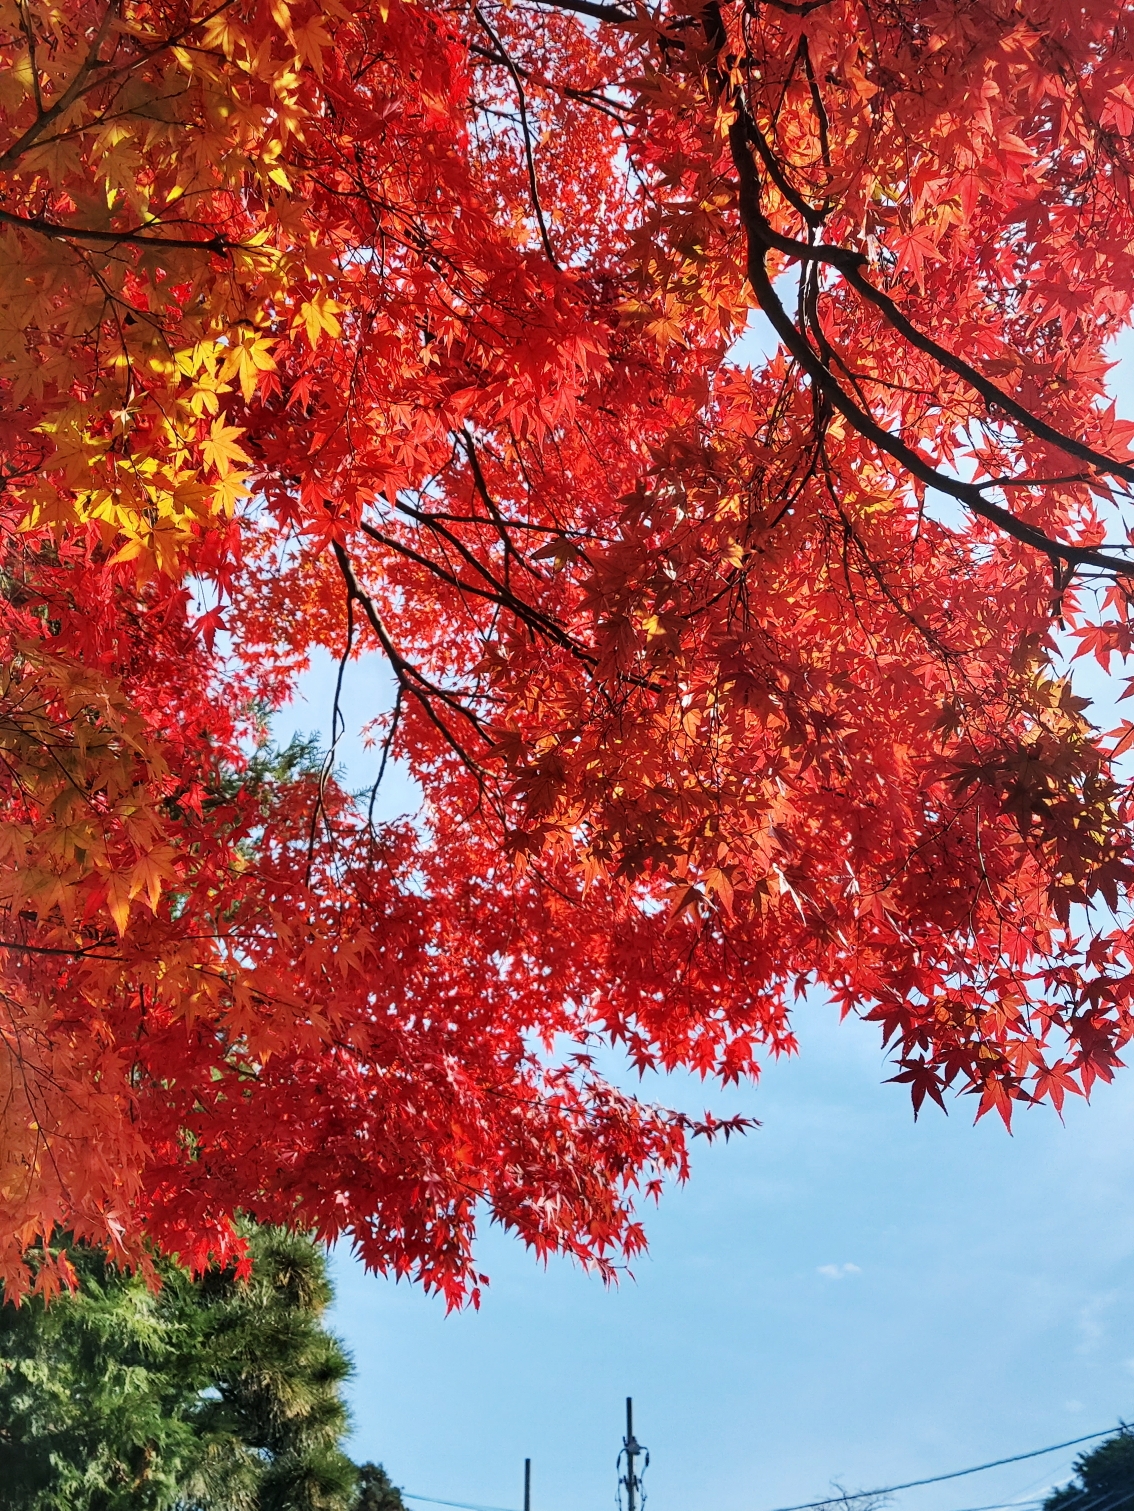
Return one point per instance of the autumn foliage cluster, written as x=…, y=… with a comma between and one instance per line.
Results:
x=728, y=672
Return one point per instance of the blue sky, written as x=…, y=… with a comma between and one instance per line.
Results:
x=842, y=1297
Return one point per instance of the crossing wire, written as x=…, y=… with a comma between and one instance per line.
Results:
x=955, y=1474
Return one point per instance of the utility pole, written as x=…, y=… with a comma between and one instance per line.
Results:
x=631, y=1481
x=527, y=1485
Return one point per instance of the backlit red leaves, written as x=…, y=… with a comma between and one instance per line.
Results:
x=727, y=672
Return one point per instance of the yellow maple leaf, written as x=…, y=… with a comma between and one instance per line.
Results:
x=228, y=492
x=318, y=315
x=222, y=450
x=118, y=902
x=310, y=41
x=150, y=872
x=246, y=361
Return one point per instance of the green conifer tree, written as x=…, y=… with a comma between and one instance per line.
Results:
x=375, y=1492
x=1104, y=1478
x=96, y=1397
x=216, y=1394
x=276, y=1380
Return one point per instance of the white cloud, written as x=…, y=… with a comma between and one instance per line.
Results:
x=837, y=1271
x=1092, y=1318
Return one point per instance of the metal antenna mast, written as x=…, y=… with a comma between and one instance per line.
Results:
x=631, y=1481
x=527, y=1485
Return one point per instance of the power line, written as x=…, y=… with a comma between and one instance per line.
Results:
x=955, y=1474
x=1104, y=1503
x=833, y=1500
x=1022, y=1505
x=464, y=1505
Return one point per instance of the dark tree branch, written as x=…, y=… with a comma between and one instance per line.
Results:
x=410, y=679
x=988, y=390
x=613, y=13
x=44, y=118
x=867, y=426
x=762, y=238
x=529, y=155
x=80, y=952
x=92, y=73
x=134, y=238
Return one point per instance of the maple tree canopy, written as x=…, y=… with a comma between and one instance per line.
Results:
x=411, y=327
